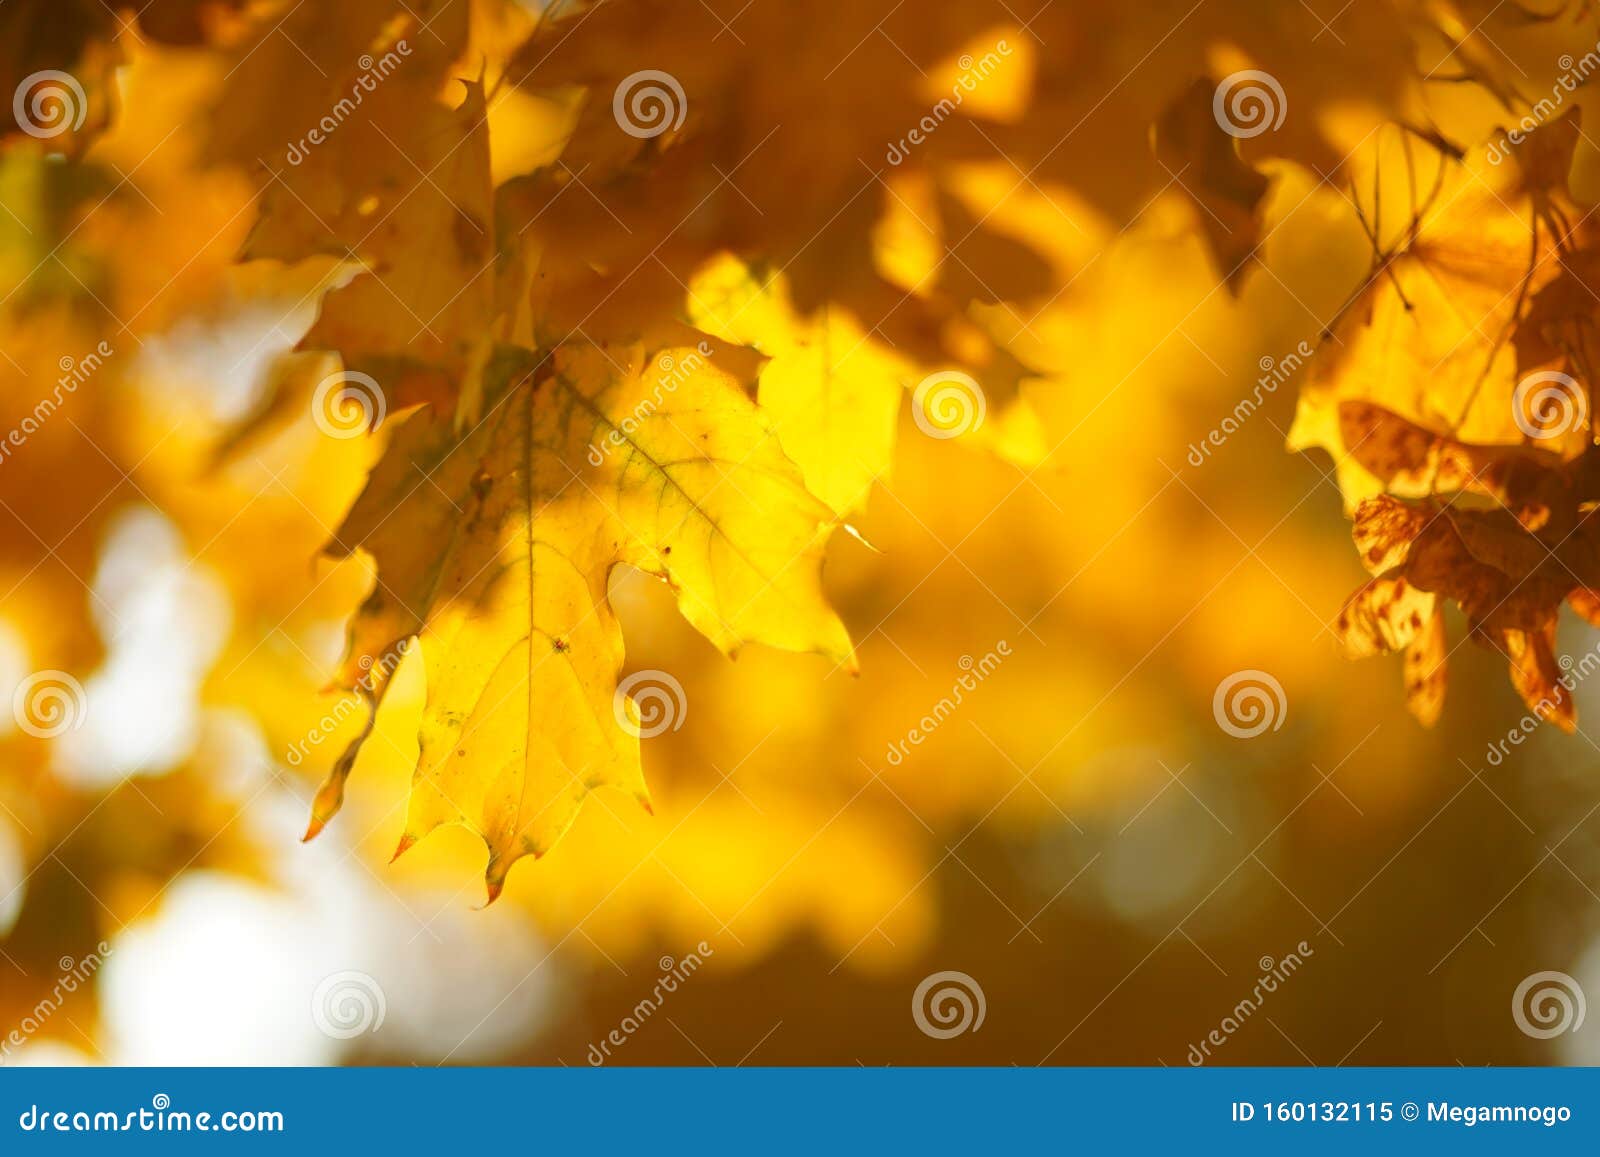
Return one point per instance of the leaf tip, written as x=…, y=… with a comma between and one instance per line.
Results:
x=494, y=880
x=329, y=799
x=853, y=532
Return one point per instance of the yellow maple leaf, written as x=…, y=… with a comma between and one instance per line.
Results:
x=494, y=546
x=833, y=392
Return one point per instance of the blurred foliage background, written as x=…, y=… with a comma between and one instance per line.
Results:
x=1080, y=837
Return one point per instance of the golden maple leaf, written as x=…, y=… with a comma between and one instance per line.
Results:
x=494, y=545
